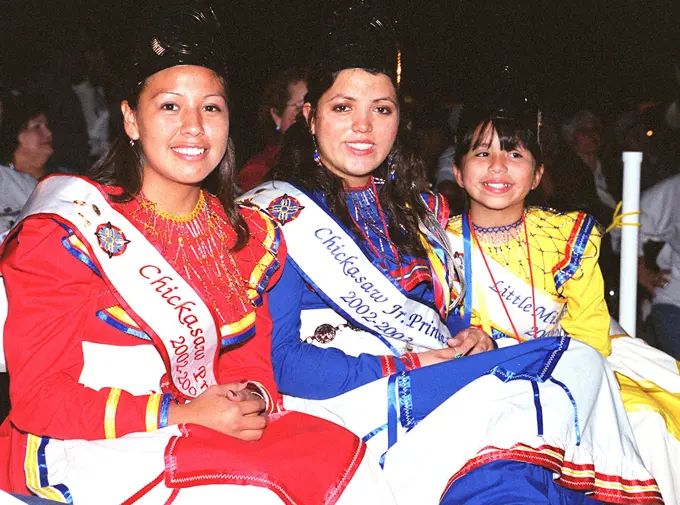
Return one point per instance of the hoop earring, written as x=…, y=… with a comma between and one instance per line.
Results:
x=390, y=167
x=316, y=156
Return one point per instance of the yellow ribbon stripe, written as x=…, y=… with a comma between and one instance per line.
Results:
x=78, y=244
x=483, y=311
x=647, y=396
x=119, y=313
x=237, y=327
x=617, y=220
x=32, y=469
x=152, y=408
x=110, y=414
x=439, y=271
x=265, y=262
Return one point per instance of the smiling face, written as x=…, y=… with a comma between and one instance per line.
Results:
x=497, y=181
x=182, y=124
x=355, y=124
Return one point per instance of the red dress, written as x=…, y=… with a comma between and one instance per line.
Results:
x=60, y=308
x=254, y=172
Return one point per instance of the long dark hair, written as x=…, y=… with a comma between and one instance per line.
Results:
x=400, y=198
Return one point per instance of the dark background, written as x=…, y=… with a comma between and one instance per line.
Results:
x=603, y=55
x=607, y=56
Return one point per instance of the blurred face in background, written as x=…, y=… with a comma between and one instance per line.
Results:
x=296, y=97
x=587, y=139
x=35, y=140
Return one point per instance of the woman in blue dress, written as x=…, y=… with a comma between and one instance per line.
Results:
x=366, y=333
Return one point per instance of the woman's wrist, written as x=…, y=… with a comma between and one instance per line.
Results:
x=260, y=391
x=176, y=414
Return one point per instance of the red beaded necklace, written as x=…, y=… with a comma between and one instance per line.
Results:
x=531, y=276
x=393, y=248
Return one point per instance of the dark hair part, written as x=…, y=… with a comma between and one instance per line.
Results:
x=17, y=111
x=123, y=166
x=512, y=133
x=400, y=199
x=275, y=96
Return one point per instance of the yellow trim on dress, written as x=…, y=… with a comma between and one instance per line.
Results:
x=478, y=292
x=647, y=396
x=152, y=408
x=110, y=414
x=238, y=326
x=576, y=473
x=78, y=244
x=119, y=313
x=266, y=261
x=439, y=271
x=32, y=471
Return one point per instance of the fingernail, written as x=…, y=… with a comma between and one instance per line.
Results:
x=459, y=355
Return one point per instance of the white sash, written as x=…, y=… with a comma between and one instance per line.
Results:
x=517, y=296
x=330, y=260
x=151, y=291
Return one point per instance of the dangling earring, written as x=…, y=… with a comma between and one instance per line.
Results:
x=390, y=167
x=316, y=156
x=132, y=143
x=278, y=127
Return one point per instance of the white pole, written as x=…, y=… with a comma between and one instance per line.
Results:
x=629, y=242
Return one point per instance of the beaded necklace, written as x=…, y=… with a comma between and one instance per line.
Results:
x=198, y=247
x=499, y=235
x=488, y=269
x=362, y=214
x=549, y=237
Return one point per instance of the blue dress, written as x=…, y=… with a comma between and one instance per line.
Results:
x=307, y=371
x=311, y=372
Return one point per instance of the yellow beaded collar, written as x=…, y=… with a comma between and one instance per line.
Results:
x=200, y=206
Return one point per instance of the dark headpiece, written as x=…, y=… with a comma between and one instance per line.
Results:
x=183, y=35
x=524, y=113
x=355, y=38
x=508, y=100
